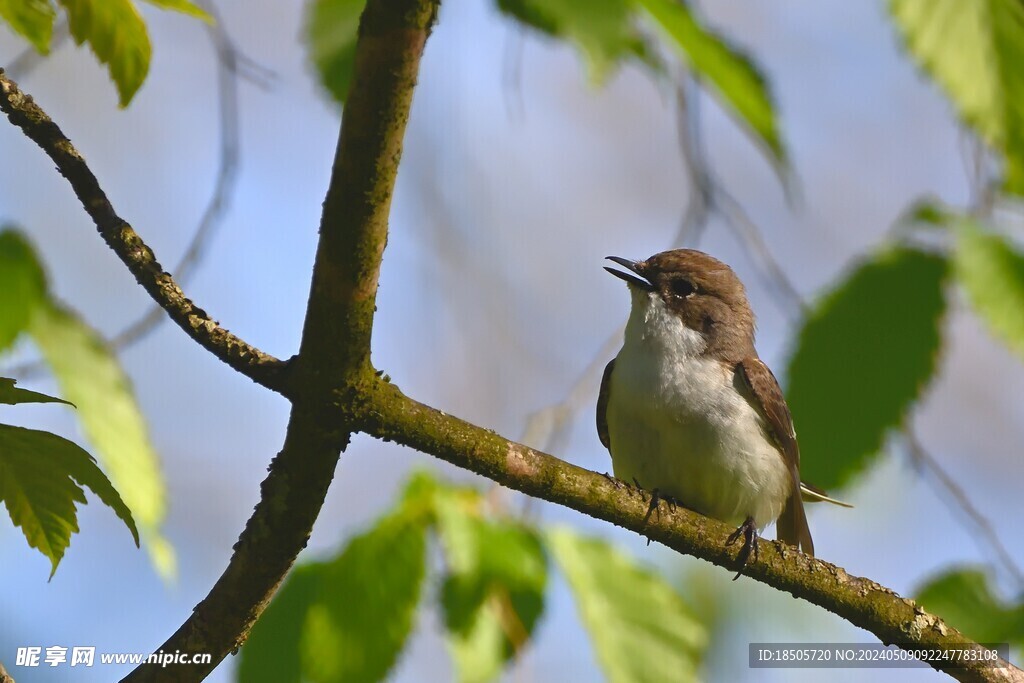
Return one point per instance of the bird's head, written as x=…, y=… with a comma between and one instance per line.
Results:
x=698, y=290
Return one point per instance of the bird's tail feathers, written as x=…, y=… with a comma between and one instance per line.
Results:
x=812, y=494
x=792, y=525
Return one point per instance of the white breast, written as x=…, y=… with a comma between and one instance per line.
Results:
x=678, y=424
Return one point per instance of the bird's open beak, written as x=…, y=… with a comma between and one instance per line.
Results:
x=630, y=279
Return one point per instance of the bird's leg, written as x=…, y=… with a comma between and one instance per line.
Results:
x=655, y=499
x=749, y=532
x=653, y=507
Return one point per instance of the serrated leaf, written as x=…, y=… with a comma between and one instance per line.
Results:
x=272, y=653
x=31, y=19
x=864, y=355
x=22, y=284
x=991, y=271
x=358, y=624
x=89, y=376
x=602, y=30
x=963, y=596
x=732, y=75
x=640, y=627
x=117, y=36
x=331, y=35
x=975, y=50
x=493, y=595
x=12, y=395
x=41, y=475
x=183, y=6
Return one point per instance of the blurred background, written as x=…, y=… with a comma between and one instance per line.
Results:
x=519, y=176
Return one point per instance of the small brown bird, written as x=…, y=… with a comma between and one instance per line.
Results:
x=689, y=410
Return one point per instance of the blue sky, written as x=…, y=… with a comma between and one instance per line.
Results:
x=511, y=193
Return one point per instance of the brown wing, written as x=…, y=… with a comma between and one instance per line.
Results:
x=602, y=405
x=767, y=399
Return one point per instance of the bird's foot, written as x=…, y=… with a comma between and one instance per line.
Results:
x=655, y=506
x=748, y=530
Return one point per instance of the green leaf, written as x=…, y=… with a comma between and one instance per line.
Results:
x=732, y=75
x=964, y=598
x=31, y=19
x=864, y=355
x=41, y=475
x=603, y=30
x=22, y=284
x=358, y=624
x=493, y=595
x=992, y=273
x=928, y=211
x=117, y=35
x=272, y=653
x=89, y=376
x=183, y=6
x=11, y=395
x=640, y=627
x=975, y=50
x=331, y=34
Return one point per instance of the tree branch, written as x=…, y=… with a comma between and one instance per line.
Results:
x=129, y=246
x=336, y=392
x=335, y=351
x=390, y=415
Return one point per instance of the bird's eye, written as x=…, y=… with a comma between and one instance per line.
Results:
x=681, y=288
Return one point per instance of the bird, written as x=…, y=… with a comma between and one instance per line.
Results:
x=689, y=411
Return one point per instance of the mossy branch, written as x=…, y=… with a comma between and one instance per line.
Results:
x=335, y=391
x=386, y=413
x=129, y=246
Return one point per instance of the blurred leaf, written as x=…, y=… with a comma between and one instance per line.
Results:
x=732, y=75
x=992, y=273
x=863, y=357
x=183, y=6
x=363, y=600
x=975, y=50
x=38, y=475
x=272, y=652
x=603, y=30
x=31, y=19
x=117, y=35
x=363, y=613
x=22, y=284
x=11, y=395
x=90, y=377
x=641, y=629
x=493, y=595
x=331, y=34
x=964, y=598
x=929, y=211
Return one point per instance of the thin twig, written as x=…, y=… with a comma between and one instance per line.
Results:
x=29, y=58
x=129, y=246
x=228, y=61
x=958, y=501
x=230, y=64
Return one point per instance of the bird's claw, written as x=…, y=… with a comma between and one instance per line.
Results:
x=748, y=530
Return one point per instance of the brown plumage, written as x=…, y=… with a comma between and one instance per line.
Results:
x=707, y=297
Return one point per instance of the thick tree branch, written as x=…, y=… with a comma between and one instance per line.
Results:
x=335, y=350
x=354, y=228
x=388, y=414
x=128, y=245
x=335, y=391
